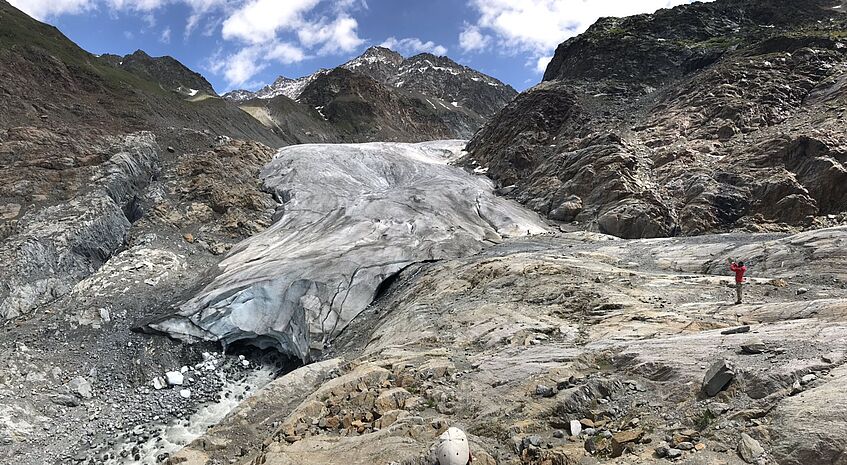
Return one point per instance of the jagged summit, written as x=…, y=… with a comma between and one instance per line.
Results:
x=434, y=96
x=431, y=75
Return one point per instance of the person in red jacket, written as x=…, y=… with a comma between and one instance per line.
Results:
x=739, y=269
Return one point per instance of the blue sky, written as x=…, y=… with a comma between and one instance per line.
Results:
x=248, y=43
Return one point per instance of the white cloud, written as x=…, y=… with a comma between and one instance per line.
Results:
x=199, y=9
x=285, y=53
x=165, y=38
x=541, y=64
x=536, y=27
x=239, y=68
x=259, y=20
x=471, y=39
x=263, y=24
x=138, y=5
x=149, y=20
x=337, y=36
x=413, y=45
x=43, y=9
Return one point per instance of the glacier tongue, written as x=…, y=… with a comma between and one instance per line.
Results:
x=352, y=216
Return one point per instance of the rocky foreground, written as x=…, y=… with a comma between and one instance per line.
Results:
x=575, y=348
x=462, y=309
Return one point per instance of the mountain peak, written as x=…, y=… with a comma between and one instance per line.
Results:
x=384, y=59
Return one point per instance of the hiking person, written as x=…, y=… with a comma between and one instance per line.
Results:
x=739, y=269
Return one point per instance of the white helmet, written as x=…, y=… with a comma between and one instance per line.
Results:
x=453, y=448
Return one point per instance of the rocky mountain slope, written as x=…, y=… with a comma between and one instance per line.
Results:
x=705, y=117
x=85, y=93
x=382, y=96
x=165, y=70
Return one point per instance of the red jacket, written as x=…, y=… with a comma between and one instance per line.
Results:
x=739, y=272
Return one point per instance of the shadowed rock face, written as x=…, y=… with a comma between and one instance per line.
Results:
x=707, y=117
x=352, y=216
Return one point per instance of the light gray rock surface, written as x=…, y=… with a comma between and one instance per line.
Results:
x=632, y=338
x=352, y=216
x=54, y=247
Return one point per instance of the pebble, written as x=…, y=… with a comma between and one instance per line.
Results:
x=749, y=449
x=674, y=453
x=81, y=387
x=544, y=391
x=808, y=378
x=185, y=393
x=174, y=378
x=575, y=427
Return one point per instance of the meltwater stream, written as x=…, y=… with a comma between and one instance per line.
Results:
x=168, y=438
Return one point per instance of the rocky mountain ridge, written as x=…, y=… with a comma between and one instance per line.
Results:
x=165, y=70
x=430, y=75
x=705, y=117
x=442, y=98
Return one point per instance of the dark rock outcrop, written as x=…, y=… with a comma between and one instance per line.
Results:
x=165, y=70
x=705, y=117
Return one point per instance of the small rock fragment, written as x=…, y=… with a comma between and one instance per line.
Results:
x=575, y=427
x=749, y=449
x=81, y=387
x=159, y=383
x=674, y=453
x=738, y=330
x=67, y=401
x=544, y=391
x=174, y=378
x=753, y=346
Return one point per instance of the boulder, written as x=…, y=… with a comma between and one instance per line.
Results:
x=753, y=346
x=575, y=427
x=81, y=387
x=392, y=399
x=718, y=376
